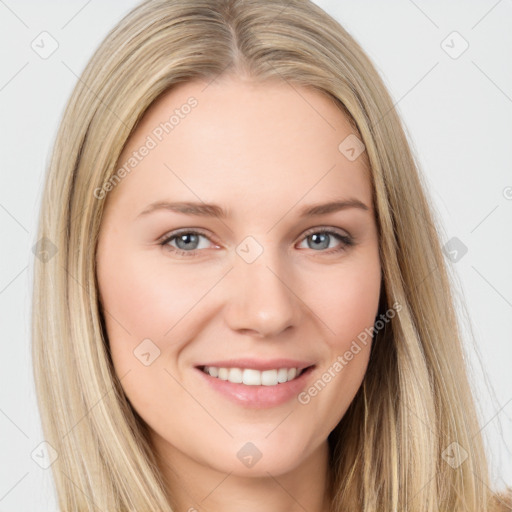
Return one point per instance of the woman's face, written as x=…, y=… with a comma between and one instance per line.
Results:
x=261, y=288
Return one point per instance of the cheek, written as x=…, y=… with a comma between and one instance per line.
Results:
x=145, y=307
x=349, y=302
x=146, y=298
x=347, y=309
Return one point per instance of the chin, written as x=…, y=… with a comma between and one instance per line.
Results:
x=262, y=456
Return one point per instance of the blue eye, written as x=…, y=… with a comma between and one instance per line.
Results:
x=187, y=243
x=322, y=239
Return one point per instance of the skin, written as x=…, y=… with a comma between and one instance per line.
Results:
x=262, y=152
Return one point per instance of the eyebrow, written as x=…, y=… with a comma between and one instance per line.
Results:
x=214, y=210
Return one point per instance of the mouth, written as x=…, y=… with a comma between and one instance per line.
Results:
x=254, y=377
x=257, y=388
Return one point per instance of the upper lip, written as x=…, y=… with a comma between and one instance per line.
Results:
x=259, y=364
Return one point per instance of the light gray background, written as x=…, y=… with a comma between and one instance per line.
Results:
x=457, y=112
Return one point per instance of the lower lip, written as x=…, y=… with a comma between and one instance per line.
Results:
x=258, y=397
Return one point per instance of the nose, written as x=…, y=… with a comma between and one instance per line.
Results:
x=261, y=299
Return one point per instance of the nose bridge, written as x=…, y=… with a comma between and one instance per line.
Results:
x=261, y=296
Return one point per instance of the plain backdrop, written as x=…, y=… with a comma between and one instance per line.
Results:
x=447, y=66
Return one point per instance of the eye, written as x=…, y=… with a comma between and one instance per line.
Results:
x=324, y=238
x=187, y=242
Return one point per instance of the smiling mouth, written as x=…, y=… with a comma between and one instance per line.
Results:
x=253, y=377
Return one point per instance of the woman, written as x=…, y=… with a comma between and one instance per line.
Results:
x=193, y=350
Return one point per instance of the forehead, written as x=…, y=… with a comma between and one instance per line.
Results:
x=232, y=138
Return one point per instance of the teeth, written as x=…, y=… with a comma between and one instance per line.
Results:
x=251, y=377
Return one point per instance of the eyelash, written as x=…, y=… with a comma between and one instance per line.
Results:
x=346, y=240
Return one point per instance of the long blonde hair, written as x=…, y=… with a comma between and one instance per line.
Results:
x=387, y=452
